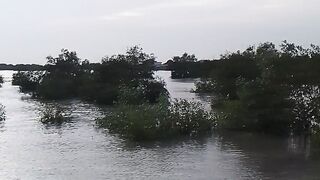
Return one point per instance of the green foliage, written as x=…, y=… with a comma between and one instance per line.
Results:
x=190, y=117
x=260, y=107
x=139, y=122
x=267, y=90
x=306, y=107
x=53, y=87
x=139, y=92
x=156, y=121
x=61, y=77
x=118, y=77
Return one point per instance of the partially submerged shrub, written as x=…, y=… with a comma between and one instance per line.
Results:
x=190, y=117
x=260, y=107
x=266, y=89
x=160, y=120
x=52, y=116
x=139, y=122
x=205, y=86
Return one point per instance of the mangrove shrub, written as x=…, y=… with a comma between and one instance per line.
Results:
x=267, y=89
x=160, y=120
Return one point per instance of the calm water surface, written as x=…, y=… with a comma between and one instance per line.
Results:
x=78, y=150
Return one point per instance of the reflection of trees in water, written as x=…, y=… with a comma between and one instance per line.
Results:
x=194, y=142
x=273, y=156
x=157, y=158
x=247, y=155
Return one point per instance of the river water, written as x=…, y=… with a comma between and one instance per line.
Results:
x=79, y=150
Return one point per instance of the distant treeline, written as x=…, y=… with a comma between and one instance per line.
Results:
x=188, y=66
x=22, y=67
x=87, y=65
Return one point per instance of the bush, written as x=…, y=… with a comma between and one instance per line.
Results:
x=267, y=90
x=142, y=91
x=28, y=81
x=261, y=107
x=56, y=88
x=190, y=118
x=205, y=86
x=156, y=121
x=51, y=115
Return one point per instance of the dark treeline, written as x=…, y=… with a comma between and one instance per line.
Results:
x=188, y=66
x=22, y=67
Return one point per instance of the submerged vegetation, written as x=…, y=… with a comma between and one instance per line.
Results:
x=54, y=116
x=156, y=121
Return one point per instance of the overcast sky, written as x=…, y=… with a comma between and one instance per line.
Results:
x=33, y=29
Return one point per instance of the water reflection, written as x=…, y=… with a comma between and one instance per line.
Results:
x=182, y=88
x=273, y=157
x=77, y=149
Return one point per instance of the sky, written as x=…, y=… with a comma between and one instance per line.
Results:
x=31, y=30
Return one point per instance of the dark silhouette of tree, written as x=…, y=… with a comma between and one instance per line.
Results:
x=67, y=76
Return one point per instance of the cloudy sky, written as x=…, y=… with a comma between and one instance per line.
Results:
x=31, y=30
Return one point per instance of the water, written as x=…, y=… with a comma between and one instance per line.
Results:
x=182, y=88
x=79, y=150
